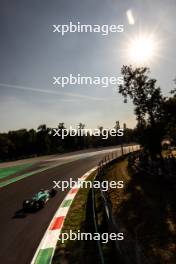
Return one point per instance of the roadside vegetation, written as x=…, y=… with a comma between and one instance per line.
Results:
x=155, y=114
x=145, y=210
x=74, y=251
x=25, y=143
x=5, y=172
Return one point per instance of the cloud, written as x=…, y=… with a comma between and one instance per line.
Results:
x=51, y=92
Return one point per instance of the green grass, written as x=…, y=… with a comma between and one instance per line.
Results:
x=72, y=250
x=5, y=172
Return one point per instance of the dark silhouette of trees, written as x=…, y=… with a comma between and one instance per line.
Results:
x=170, y=119
x=4, y=146
x=28, y=143
x=43, y=140
x=148, y=101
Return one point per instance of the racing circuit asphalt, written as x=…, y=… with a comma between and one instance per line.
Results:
x=20, y=236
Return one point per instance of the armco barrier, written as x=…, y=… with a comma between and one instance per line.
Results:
x=128, y=252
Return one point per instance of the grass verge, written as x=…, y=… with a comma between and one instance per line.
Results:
x=145, y=208
x=73, y=251
x=5, y=172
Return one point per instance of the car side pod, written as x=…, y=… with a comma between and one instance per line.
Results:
x=52, y=192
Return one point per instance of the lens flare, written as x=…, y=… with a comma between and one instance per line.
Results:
x=141, y=50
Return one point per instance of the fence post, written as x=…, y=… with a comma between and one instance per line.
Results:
x=122, y=151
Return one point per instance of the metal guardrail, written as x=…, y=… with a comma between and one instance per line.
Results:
x=100, y=251
x=122, y=255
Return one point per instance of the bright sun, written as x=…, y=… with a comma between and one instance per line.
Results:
x=141, y=50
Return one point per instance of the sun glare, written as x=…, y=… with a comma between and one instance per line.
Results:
x=141, y=50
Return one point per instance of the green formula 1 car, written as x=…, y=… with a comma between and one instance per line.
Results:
x=39, y=200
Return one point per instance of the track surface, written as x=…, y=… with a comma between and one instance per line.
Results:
x=19, y=237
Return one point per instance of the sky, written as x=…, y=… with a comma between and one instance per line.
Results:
x=31, y=54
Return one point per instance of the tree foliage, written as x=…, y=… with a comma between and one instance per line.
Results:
x=148, y=106
x=27, y=143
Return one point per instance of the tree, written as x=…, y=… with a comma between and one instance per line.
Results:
x=81, y=126
x=148, y=102
x=4, y=146
x=170, y=118
x=43, y=140
x=61, y=125
x=118, y=140
x=124, y=126
x=117, y=125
